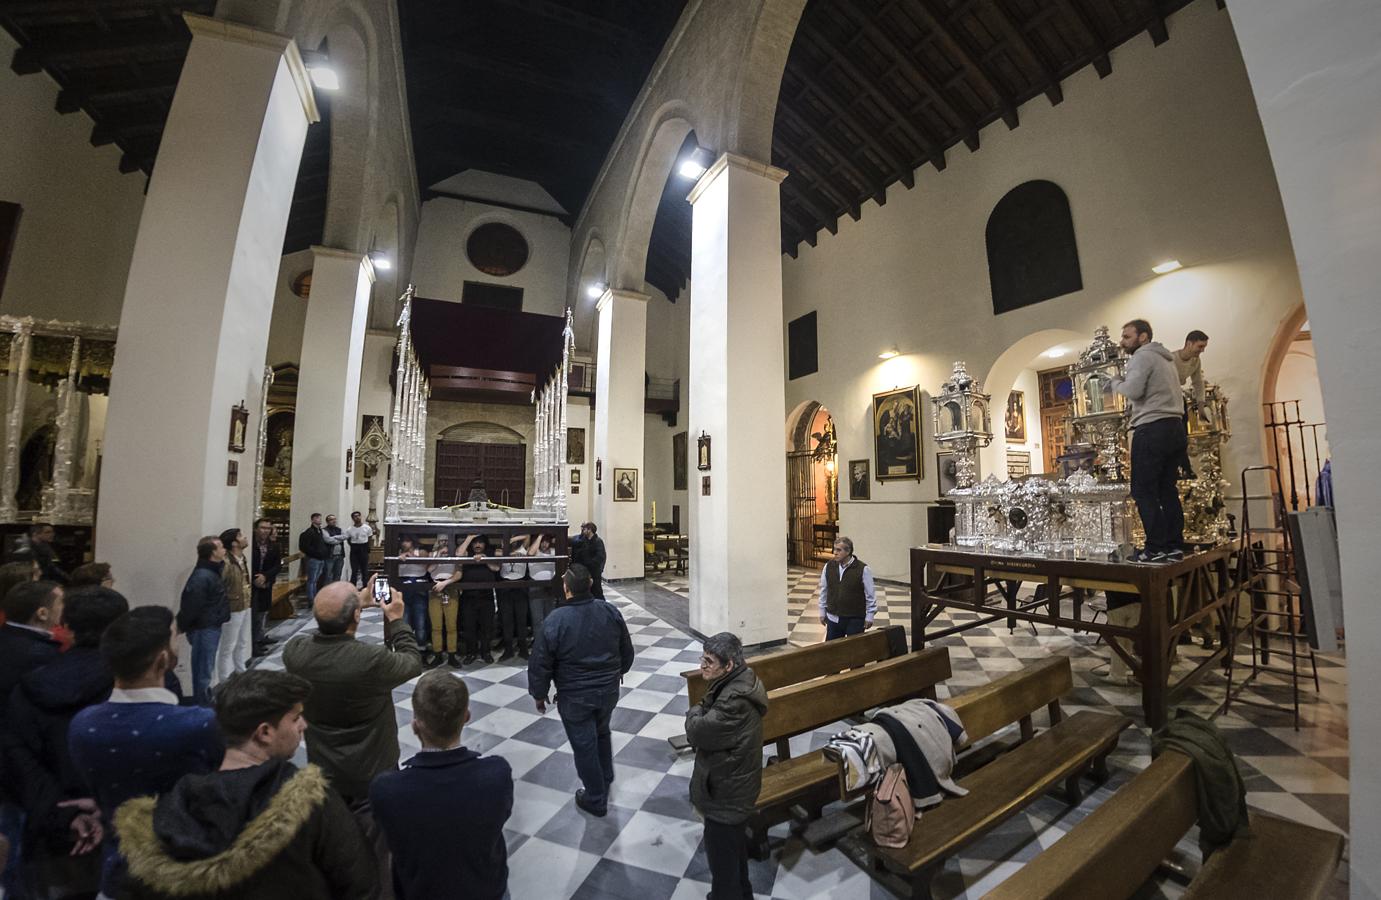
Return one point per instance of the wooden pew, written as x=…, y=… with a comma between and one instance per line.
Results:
x=1072, y=747
x=798, y=664
x=1114, y=851
x=799, y=708
x=281, y=607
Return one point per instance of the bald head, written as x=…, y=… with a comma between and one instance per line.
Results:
x=337, y=608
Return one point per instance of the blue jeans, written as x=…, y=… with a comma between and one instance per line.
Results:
x=334, y=568
x=204, y=643
x=415, y=598
x=586, y=719
x=12, y=827
x=314, y=570
x=846, y=626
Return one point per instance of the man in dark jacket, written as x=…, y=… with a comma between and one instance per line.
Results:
x=428, y=861
x=352, y=732
x=40, y=545
x=725, y=728
x=259, y=827
x=587, y=549
x=316, y=552
x=266, y=562
x=62, y=816
x=204, y=609
x=584, y=647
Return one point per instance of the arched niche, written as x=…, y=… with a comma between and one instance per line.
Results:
x=1032, y=253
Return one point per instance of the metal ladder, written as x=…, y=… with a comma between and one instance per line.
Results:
x=1266, y=569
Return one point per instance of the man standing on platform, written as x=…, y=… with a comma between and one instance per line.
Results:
x=316, y=553
x=359, y=535
x=587, y=549
x=583, y=647
x=848, y=601
x=1152, y=385
x=267, y=562
x=1188, y=364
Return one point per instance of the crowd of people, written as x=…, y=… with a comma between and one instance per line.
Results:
x=114, y=784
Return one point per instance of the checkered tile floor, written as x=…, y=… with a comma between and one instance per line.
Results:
x=649, y=847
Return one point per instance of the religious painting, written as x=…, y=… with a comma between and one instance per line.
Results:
x=1015, y=417
x=860, y=480
x=947, y=473
x=704, y=485
x=239, y=426
x=679, y=449
x=897, y=434
x=702, y=452
x=575, y=489
x=575, y=476
x=278, y=455
x=625, y=485
x=575, y=446
x=232, y=473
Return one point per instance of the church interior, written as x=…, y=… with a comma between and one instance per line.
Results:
x=818, y=323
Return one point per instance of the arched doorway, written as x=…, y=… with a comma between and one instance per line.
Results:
x=1296, y=436
x=812, y=475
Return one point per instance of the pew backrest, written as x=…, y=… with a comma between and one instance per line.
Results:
x=1013, y=698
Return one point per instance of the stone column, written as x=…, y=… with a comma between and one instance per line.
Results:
x=195, y=321
x=738, y=398
x=618, y=426
x=1315, y=69
x=328, y=388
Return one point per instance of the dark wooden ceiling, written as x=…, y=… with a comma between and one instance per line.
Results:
x=118, y=61
x=875, y=89
x=534, y=89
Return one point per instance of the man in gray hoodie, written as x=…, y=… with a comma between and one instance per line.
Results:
x=1152, y=385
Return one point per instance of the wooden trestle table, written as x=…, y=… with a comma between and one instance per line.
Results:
x=1174, y=597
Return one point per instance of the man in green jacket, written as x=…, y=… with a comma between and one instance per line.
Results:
x=352, y=734
x=725, y=728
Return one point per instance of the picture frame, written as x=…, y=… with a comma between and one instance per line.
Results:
x=575, y=446
x=575, y=477
x=702, y=452
x=232, y=473
x=1018, y=463
x=1014, y=418
x=860, y=479
x=704, y=485
x=946, y=474
x=575, y=489
x=897, y=434
x=680, y=447
x=239, y=427
x=625, y=485
x=599, y=470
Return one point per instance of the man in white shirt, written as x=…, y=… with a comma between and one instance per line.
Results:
x=541, y=597
x=513, y=602
x=359, y=535
x=848, y=602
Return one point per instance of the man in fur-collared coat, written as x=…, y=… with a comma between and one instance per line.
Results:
x=259, y=827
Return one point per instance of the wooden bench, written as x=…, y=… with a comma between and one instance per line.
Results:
x=1117, y=848
x=1072, y=747
x=799, y=708
x=281, y=606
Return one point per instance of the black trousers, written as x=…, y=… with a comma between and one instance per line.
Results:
x=726, y=850
x=1157, y=448
x=597, y=585
x=477, y=621
x=513, y=616
x=261, y=600
x=359, y=564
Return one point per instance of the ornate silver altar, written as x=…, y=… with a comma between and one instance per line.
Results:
x=1073, y=517
x=962, y=422
x=1099, y=418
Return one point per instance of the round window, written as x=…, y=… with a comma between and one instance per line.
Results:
x=497, y=249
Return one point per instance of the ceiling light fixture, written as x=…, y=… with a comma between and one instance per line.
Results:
x=890, y=353
x=1056, y=353
x=324, y=77
x=694, y=164
x=595, y=291
x=1169, y=265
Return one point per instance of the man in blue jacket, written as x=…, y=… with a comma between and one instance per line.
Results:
x=584, y=647
x=468, y=857
x=204, y=609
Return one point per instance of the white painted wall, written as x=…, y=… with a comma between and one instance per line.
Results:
x=289, y=312
x=1163, y=158
x=76, y=232
x=578, y=503
x=441, y=267
x=1028, y=383
x=668, y=356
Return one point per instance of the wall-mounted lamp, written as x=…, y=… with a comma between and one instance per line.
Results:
x=596, y=290
x=1169, y=265
x=694, y=164
x=324, y=77
x=380, y=261
x=890, y=353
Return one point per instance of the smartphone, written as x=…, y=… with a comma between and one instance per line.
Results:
x=381, y=590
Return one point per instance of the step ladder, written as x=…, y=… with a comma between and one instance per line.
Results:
x=1267, y=575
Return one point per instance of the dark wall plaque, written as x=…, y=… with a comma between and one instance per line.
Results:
x=802, y=346
x=1032, y=255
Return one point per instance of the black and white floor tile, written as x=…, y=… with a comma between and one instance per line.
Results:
x=649, y=847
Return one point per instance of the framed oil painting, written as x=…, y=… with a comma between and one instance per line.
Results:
x=860, y=480
x=625, y=485
x=1015, y=417
x=897, y=434
x=575, y=446
x=575, y=476
x=679, y=463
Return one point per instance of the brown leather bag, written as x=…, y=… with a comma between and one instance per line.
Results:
x=891, y=814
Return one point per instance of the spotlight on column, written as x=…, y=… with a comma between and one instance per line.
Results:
x=694, y=164
x=596, y=290
x=324, y=77
x=890, y=353
x=1169, y=265
x=380, y=262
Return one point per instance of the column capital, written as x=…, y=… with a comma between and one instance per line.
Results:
x=743, y=163
x=353, y=256
x=612, y=294
x=224, y=30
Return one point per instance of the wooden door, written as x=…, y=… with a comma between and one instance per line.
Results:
x=1056, y=406
x=501, y=467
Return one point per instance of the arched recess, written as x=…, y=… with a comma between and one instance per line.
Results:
x=352, y=44
x=1291, y=374
x=592, y=273
x=645, y=193
x=1001, y=378
x=482, y=433
x=812, y=472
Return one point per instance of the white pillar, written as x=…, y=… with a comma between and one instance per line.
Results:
x=738, y=398
x=16, y=396
x=1315, y=69
x=195, y=321
x=328, y=387
x=618, y=423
